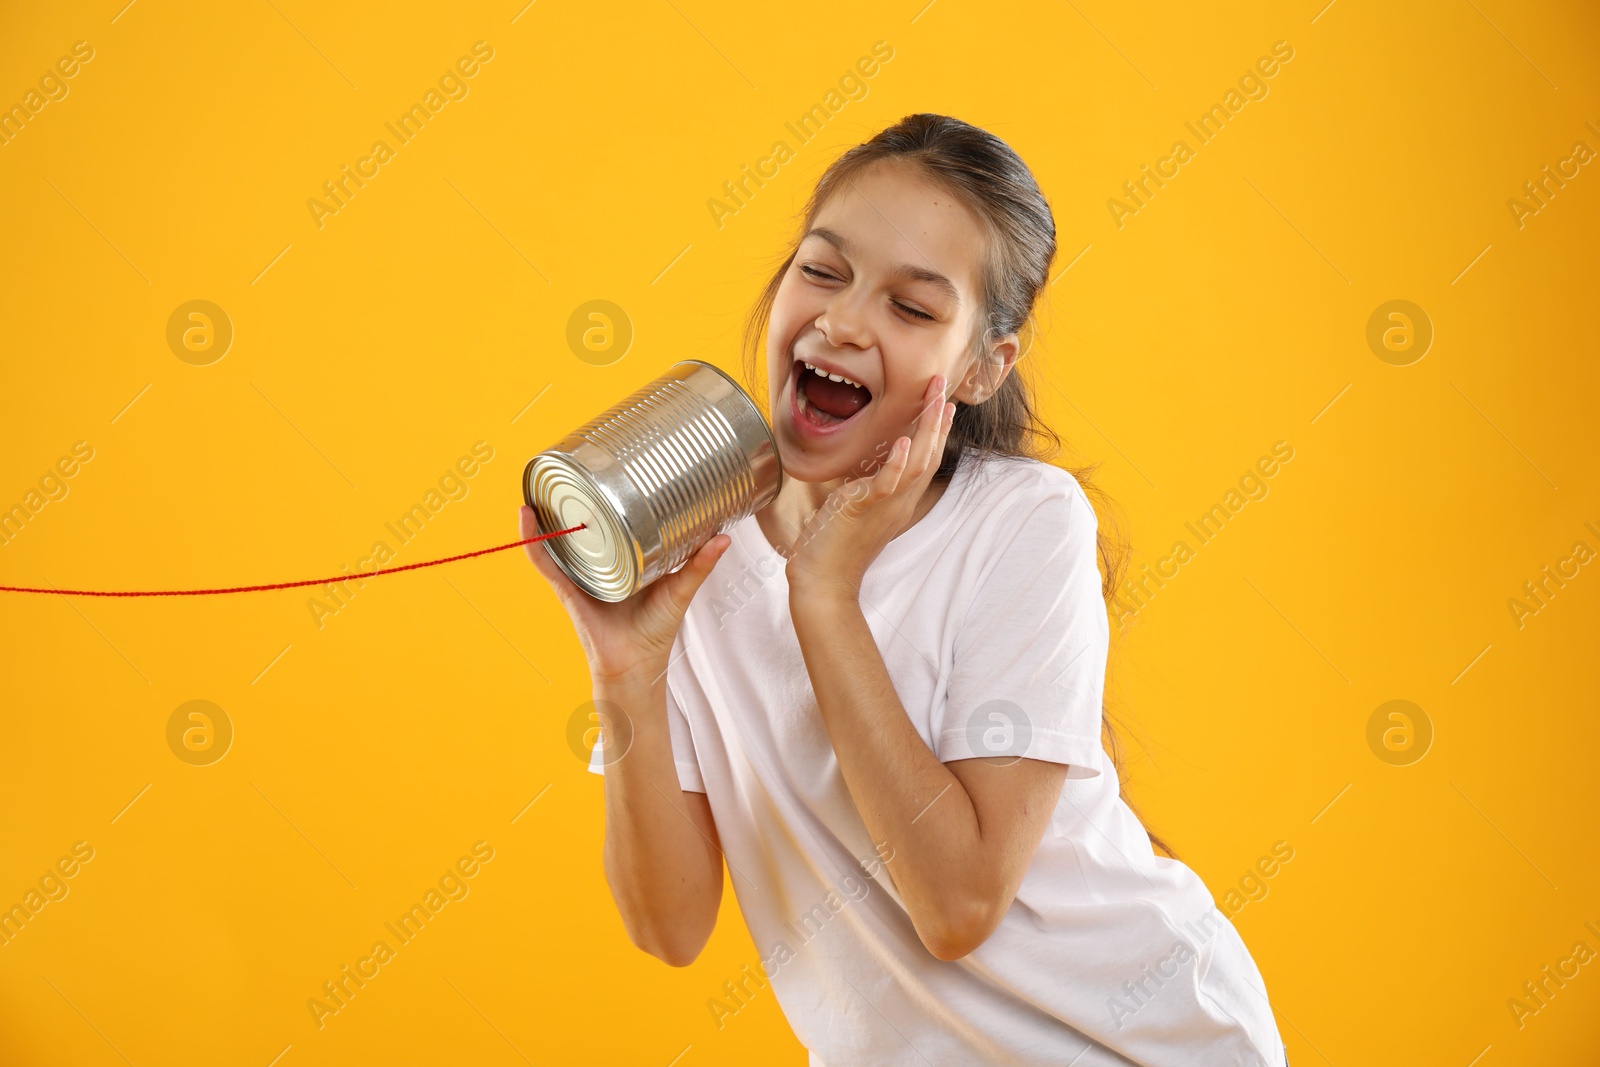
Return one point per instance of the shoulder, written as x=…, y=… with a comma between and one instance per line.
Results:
x=1019, y=493
x=1027, y=547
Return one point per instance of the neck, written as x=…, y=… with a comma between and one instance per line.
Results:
x=784, y=518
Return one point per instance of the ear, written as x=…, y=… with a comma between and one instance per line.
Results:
x=986, y=372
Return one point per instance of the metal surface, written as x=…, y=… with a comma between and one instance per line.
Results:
x=653, y=478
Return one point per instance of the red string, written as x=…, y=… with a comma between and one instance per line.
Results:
x=362, y=576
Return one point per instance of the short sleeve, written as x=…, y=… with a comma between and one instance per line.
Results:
x=683, y=754
x=1030, y=655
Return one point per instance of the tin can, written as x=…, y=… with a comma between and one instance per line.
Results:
x=652, y=479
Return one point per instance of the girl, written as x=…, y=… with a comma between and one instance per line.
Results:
x=885, y=711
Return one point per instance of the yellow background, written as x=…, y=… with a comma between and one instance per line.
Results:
x=426, y=715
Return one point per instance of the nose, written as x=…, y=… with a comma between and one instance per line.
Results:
x=844, y=321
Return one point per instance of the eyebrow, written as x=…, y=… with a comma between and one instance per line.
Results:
x=905, y=270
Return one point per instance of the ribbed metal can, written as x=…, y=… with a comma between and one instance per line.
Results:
x=652, y=479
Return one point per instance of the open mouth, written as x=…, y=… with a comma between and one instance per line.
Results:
x=823, y=402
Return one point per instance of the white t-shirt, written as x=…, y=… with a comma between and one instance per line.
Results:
x=989, y=616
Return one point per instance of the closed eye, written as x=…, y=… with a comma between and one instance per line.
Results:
x=806, y=269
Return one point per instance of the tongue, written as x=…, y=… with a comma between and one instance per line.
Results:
x=839, y=399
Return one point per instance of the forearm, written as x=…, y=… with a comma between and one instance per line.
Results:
x=904, y=794
x=664, y=874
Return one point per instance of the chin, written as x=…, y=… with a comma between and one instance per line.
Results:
x=803, y=467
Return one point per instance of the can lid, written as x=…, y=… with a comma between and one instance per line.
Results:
x=601, y=558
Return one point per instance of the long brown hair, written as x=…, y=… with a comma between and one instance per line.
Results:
x=993, y=182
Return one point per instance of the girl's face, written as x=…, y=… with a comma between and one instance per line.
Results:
x=884, y=291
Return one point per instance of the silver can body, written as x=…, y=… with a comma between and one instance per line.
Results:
x=652, y=479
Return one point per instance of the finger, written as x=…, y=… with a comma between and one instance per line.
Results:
x=931, y=395
x=857, y=493
x=933, y=401
x=527, y=526
x=930, y=426
x=947, y=418
x=889, y=475
x=540, y=556
x=682, y=584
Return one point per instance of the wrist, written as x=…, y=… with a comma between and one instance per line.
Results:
x=824, y=600
x=645, y=674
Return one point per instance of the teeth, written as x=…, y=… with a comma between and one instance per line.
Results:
x=833, y=377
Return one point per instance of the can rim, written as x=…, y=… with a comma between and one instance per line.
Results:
x=599, y=495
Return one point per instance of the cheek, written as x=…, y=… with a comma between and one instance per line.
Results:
x=794, y=304
x=891, y=414
x=906, y=370
x=791, y=311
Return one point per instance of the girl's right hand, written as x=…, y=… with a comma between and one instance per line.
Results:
x=635, y=634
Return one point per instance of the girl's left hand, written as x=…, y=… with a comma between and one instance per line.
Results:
x=842, y=538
